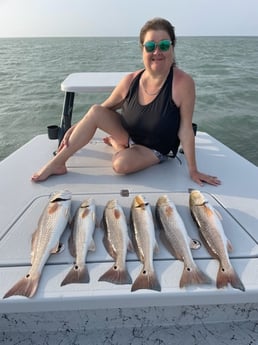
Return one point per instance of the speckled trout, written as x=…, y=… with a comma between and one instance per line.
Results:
x=81, y=241
x=45, y=241
x=145, y=243
x=175, y=238
x=116, y=241
x=217, y=244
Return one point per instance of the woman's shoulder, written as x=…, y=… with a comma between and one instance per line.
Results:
x=181, y=77
x=130, y=76
x=183, y=86
x=124, y=84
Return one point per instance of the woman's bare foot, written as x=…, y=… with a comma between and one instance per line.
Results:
x=112, y=142
x=48, y=170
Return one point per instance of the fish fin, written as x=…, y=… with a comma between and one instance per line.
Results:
x=71, y=221
x=92, y=246
x=229, y=246
x=77, y=275
x=27, y=287
x=58, y=248
x=130, y=247
x=146, y=280
x=194, y=244
x=109, y=247
x=116, y=276
x=156, y=248
x=229, y=276
x=195, y=220
x=193, y=276
x=71, y=244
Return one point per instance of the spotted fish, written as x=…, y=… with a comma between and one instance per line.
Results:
x=81, y=241
x=174, y=236
x=45, y=241
x=217, y=244
x=145, y=243
x=117, y=242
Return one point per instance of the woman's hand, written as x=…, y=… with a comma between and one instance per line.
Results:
x=65, y=141
x=201, y=178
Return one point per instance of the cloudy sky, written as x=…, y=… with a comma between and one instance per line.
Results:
x=21, y=18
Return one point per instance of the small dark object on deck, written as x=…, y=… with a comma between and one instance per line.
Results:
x=124, y=192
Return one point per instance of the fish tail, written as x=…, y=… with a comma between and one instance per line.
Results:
x=78, y=274
x=146, y=280
x=192, y=276
x=27, y=287
x=116, y=276
x=229, y=276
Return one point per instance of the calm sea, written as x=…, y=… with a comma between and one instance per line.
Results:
x=225, y=70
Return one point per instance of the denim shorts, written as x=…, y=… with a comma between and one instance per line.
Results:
x=160, y=156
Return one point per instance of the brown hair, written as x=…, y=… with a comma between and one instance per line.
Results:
x=158, y=24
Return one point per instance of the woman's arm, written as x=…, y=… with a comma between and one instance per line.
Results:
x=185, y=96
x=116, y=98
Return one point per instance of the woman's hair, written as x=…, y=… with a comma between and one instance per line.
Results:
x=158, y=24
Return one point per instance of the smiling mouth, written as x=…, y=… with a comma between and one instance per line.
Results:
x=156, y=59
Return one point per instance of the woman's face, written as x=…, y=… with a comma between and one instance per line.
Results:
x=157, y=61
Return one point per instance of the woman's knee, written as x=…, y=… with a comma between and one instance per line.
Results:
x=120, y=165
x=94, y=109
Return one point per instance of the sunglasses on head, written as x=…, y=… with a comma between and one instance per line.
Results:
x=163, y=45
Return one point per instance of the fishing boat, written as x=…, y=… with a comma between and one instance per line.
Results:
x=100, y=312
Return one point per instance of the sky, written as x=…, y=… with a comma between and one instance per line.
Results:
x=37, y=18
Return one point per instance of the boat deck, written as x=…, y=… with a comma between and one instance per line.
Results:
x=90, y=174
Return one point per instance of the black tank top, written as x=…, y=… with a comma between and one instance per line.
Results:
x=156, y=124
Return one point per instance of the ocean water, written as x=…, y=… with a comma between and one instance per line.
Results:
x=225, y=70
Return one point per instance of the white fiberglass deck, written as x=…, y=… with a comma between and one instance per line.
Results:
x=90, y=174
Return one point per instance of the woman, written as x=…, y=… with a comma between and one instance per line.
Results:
x=157, y=106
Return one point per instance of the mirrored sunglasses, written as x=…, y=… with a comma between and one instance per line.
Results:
x=150, y=46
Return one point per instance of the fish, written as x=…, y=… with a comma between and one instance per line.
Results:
x=213, y=235
x=175, y=238
x=143, y=236
x=45, y=241
x=117, y=242
x=81, y=241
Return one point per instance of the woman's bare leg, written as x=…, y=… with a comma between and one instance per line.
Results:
x=132, y=159
x=97, y=117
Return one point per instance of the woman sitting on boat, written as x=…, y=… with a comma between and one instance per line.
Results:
x=155, y=106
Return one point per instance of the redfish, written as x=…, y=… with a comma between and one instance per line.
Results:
x=81, y=241
x=145, y=243
x=174, y=236
x=116, y=241
x=45, y=241
x=214, y=237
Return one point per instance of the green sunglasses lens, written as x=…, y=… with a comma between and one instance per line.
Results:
x=164, y=45
x=150, y=46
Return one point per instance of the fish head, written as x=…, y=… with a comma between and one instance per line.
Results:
x=86, y=203
x=139, y=201
x=196, y=198
x=60, y=195
x=162, y=201
x=111, y=204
